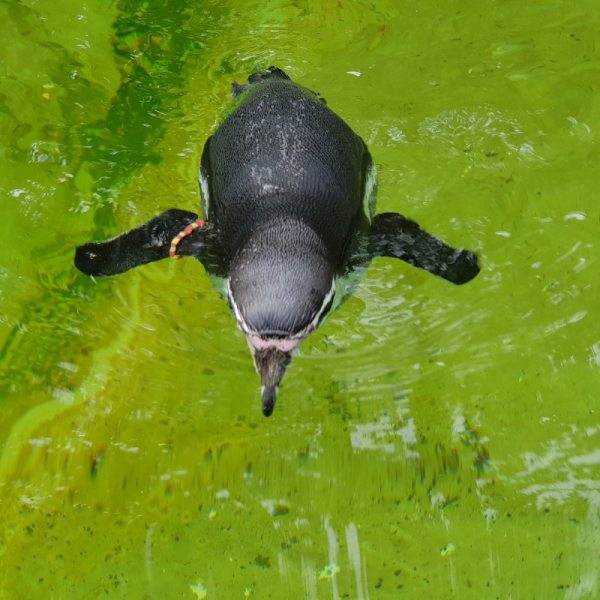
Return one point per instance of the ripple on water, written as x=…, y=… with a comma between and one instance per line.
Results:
x=477, y=132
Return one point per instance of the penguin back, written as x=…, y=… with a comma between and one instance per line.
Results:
x=282, y=153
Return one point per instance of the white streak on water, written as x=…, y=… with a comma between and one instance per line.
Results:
x=575, y=215
x=408, y=432
x=588, y=542
x=564, y=322
x=282, y=566
x=364, y=565
x=592, y=458
x=583, y=264
x=148, y=554
x=365, y=436
x=309, y=576
x=492, y=574
x=333, y=558
x=68, y=367
x=354, y=558
x=40, y=441
x=458, y=425
x=573, y=249
x=594, y=357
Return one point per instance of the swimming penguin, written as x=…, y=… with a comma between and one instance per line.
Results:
x=288, y=198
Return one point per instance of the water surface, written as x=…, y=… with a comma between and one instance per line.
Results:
x=430, y=441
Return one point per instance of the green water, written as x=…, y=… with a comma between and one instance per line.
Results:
x=430, y=441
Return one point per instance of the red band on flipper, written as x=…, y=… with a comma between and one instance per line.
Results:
x=181, y=235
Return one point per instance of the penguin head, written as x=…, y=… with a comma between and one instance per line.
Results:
x=281, y=286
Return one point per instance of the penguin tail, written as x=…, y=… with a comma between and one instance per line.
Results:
x=271, y=73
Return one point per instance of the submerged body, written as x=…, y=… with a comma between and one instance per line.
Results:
x=287, y=194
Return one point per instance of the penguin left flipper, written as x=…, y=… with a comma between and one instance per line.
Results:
x=148, y=243
x=396, y=236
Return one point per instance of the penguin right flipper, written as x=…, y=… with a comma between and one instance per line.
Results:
x=148, y=243
x=396, y=236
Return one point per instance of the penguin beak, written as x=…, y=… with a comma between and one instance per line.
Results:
x=270, y=364
x=269, y=395
x=271, y=359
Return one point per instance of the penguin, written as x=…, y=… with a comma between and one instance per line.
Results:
x=288, y=201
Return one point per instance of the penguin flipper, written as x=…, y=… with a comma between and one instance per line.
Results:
x=396, y=236
x=148, y=243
